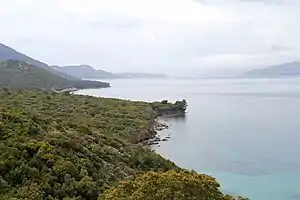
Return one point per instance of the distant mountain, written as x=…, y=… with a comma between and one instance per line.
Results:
x=286, y=69
x=8, y=53
x=140, y=75
x=84, y=72
x=76, y=72
x=88, y=72
x=21, y=75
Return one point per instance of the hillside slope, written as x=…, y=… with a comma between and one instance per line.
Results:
x=61, y=146
x=283, y=70
x=8, y=53
x=20, y=75
x=56, y=145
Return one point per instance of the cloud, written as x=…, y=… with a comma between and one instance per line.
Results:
x=158, y=35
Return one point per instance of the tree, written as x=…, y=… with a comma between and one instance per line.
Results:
x=181, y=104
x=164, y=102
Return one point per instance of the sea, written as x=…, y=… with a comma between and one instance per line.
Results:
x=243, y=131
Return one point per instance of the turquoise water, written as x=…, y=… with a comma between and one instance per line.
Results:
x=244, y=132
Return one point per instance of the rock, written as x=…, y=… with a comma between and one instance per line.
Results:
x=161, y=126
x=152, y=143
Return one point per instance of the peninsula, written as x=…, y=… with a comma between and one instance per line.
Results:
x=64, y=146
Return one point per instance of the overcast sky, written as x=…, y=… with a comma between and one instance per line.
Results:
x=190, y=36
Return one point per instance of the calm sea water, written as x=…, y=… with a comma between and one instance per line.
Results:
x=244, y=132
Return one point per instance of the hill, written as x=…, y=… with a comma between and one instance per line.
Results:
x=282, y=70
x=20, y=75
x=61, y=146
x=8, y=53
x=84, y=72
x=88, y=72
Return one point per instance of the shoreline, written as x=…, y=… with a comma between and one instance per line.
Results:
x=159, y=125
x=156, y=125
x=160, y=110
x=158, y=138
x=102, y=131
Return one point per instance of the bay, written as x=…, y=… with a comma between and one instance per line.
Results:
x=245, y=132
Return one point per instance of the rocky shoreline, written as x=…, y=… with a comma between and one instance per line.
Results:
x=161, y=110
x=159, y=126
x=151, y=136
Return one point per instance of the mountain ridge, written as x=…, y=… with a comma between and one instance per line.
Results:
x=88, y=72
x=8, y=53
x=13, y=77
x=83, y=71
x=290, y=69
x=17, y=74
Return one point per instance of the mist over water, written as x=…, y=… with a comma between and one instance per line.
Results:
x=244, y=132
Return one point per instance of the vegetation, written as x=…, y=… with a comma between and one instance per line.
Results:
x=61, y=146
x=8, y=53
x=166, y=108
x=58, y=145
x=20, y=75
x=168, y=185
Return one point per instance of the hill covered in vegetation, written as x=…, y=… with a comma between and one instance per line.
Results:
x=20, y=75
x=74, y=72
x=72, y=147
x=8, y=53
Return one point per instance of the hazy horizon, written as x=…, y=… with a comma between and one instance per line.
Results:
x=177, y=37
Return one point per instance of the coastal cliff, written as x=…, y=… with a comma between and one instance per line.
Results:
x=160, y=109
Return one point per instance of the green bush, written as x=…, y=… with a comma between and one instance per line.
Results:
x=70, y=146
x=168, y=185
x=56, y=146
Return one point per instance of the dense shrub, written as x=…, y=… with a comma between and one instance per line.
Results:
x=71, y=147
x=168, y=185
x=55, y=146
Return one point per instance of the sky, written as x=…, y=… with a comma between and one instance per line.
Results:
x=202, y=37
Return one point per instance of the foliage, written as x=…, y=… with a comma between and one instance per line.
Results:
x=20, y=75
x=181, y=104
x=55, y=146
x=168, y=185
x=61, y=146
x=166, y=108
